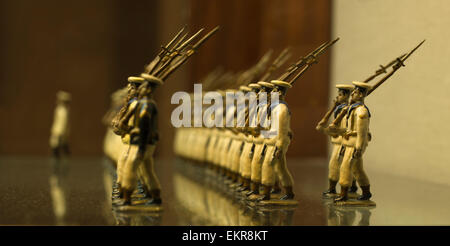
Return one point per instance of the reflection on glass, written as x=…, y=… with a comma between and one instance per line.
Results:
x=348, y=216
x=125, y=218
x=203, y=199
x=58, y=189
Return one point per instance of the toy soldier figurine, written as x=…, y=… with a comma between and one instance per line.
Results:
x=277, y=143
x=121, y=127
x=355, y=139
x=247, y=141
x=60, y=128
x=143, y=138
x=258, y=140
x=336, y=155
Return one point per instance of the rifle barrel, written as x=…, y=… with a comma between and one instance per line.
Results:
x=396, y=66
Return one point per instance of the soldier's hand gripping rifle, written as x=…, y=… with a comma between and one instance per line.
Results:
x=165, y=50
x=188, y=54
x=399, y=62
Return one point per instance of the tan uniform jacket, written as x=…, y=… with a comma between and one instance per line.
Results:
x=357, y=123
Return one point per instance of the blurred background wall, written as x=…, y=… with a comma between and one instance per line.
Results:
x=89, y=48
x=410, y=112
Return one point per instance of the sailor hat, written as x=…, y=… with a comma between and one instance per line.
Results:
x=152, y=79
x=362, y=85
x=281, y=83
x=266, y=84
x=136, y=80
x=245, y=88
x=254, y=86
x=345, y=87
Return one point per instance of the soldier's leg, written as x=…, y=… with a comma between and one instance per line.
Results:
x=224, y=157
x=255, y=176
x=345, y=174
x=362, y=179
x=121, y=162
x=217, y=152
x=228, y=158
x=205, y=147
x=129, y=178
x=284, y=176
x=235, y=164
x=212, y=141
x=333, y=169
x=268, y=171
x=245, y=165
x=152, y=180
x=120, y=166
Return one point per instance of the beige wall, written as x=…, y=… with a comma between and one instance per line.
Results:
x=411, y=112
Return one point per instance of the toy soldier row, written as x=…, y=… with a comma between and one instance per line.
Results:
x=252, y=157
x=349, y=134
x=136, y=125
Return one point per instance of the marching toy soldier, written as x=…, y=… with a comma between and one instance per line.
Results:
x=336, y=155
x=61, y=125
x=143, y=138
x=121, y=126
x=355, y=138
x=258, y=139
x=277, y=143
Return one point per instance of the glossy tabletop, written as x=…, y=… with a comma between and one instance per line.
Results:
x=77, y=191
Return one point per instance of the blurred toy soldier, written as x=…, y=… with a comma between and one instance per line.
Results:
x=60, y=129
x=258, y=139
x=244, y=159
x=355, y=139
x=121, y=127
x=143, y=138
x=277, y=143
x=339, y=104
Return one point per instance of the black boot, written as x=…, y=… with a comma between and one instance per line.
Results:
x=254, y=189
x=240, y=181
x=265, y=193
x=276, y=188
x=156, y=197
x=126, y=198
x=343, y=196
x=366, y=195
x=331, y=187
x=289, y=193
x=353, y=188
x=245, y=184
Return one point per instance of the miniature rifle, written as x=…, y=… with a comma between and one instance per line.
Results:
x=310, y=60
x=280, y=60
x=399, y=63
x=383, y=69
x=175, y=53
x=307, y=60
x=251, y=74
x=188, y=53
x=164, y=51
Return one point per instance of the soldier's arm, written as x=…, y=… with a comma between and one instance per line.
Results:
x=362, y=126
x=144, y=129
x=321, y=126
x=283, y=126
